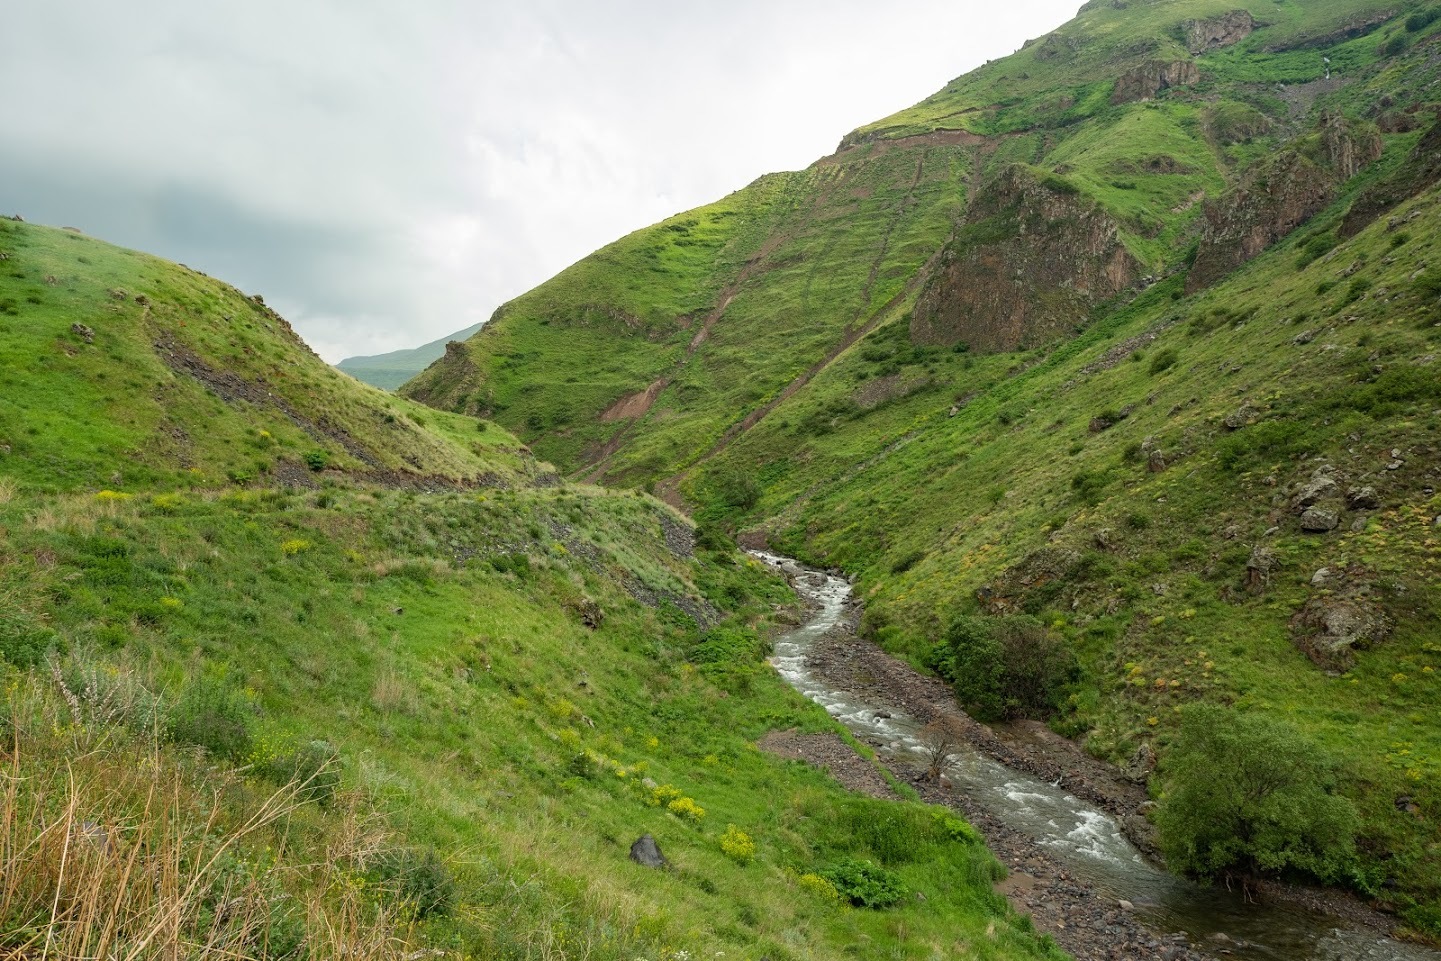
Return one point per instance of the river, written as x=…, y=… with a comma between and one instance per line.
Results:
x=1088, y=841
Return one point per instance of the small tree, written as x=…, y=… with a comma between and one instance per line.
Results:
x=1246, y=793
x=1004, y=667
x=942, y=740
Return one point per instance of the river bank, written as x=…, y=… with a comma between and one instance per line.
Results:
x=1056, y=817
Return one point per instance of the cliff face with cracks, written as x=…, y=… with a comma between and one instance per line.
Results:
x=1280, y=196
x=1031, y=260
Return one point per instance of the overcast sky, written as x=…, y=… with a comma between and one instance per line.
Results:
x=385, y=173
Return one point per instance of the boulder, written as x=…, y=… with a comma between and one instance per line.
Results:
x=1237, y=419
x=84, y=333
x=646, y=853
x=1322, y=484
x=1156, y=462
x=1320, y=520
x=1259, y=568
x=1330, y=630
x=1363, y=499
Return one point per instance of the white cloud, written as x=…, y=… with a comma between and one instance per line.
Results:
x=387, y=173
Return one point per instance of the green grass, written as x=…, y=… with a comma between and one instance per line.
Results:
x=111, y=411
x=933, y=474
x=475, y=712
x=506, y=676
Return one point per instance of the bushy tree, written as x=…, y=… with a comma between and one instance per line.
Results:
x=1005, y=667
x=1245, y=793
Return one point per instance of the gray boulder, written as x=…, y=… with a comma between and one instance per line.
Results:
x=1320, y=520
x=1322, y=484
x=646, y=853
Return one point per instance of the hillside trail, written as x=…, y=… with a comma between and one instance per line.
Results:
x=1057, y=818
x=668, y=489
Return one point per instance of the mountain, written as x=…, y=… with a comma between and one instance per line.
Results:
x=1128, y=340
x=294, y=668
x=389, y=371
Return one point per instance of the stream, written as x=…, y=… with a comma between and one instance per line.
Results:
x=1088, y=842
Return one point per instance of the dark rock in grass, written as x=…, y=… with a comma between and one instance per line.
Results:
x=1363, y=498
x=646, y=853
x=1258, y=569
x=1322, y=484
x=1330, y=630
x=1156, y=462
x=83, y=332
x=1320, y=520
x=1244, y=417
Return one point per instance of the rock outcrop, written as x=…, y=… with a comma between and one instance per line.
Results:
x=1421, y=170
x=1145, y=81
x=1279, y=197
x=1216, y=32
x=1329, y=630
x=1033, y=258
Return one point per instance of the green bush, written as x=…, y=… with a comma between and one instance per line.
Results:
x=215, y=714
x=24, y=638
x=730, y=655
x=1164, y=360
x=1422, y=19
x=1005, y=667
x=864, y=884
x=420, y=879
x=1248, y=793
x=317, y=460
x=314, y=767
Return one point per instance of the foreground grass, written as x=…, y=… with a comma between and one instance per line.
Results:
x=437, y=648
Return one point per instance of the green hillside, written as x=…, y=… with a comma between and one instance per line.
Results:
x=1131, y=336
x=389, y=371
x=292, y=668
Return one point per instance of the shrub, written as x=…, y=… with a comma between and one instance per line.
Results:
x=864, y=884
x=1005, y=667
x=1164, y=360
x=819, y=886
x=686, y=809
x=1422, y=19
x=1248, y=793
x=296, y=545
x=730, y=655
x=215, y=714
x=313, y=767
x=735, y=489
x=420, y=880
x=737, y=845
x=317, y=460
x=24, y=638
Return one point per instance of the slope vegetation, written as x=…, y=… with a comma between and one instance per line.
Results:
x=290, y=668
x=1160, y=383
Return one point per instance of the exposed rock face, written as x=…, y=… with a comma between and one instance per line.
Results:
x=1216, y=32
x=1035, y=258
x=1144, y=82
x=1420, y=171
x=1330, y=630
x=1280, y=197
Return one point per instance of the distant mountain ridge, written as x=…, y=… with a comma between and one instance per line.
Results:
x=389, y=371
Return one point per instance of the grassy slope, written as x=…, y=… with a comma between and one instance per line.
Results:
x=810, y=255
x=929, y=506
x=797, y=259
x=444, y=646
x=113, y=412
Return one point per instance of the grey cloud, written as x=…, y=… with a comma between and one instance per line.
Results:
x=386, y=173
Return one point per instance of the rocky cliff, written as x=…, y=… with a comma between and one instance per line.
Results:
x=1033, y=258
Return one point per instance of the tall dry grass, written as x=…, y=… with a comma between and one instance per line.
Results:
x=114, y=848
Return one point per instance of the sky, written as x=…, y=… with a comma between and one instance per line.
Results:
x=387, y=172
